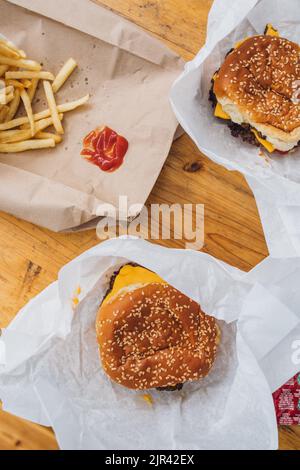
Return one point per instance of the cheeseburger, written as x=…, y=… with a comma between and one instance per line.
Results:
x=256, y=89
x=150, y=335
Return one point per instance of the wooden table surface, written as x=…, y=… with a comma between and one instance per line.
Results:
x=32, y=256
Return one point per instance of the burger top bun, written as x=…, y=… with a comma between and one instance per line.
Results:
x=154, y=336
x=257, y=84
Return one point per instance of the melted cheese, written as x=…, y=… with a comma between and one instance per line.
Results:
x=132, y=276
x=220, y=113
x=271, y=31
x=270, y=148
x=239, y=43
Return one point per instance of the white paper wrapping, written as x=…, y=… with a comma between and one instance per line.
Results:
x=50, y=370
x=275, y=181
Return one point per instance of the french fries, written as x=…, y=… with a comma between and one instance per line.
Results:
x=3, y=113
x=20, y=135
x=8, y=98
x=28, y=109
x=3, y=69
x=52, y=106
x=28, y=74
x=32, y=88
x=16, y=84
x=19, y=80
x=48, y=135
x=63, y=74
x=20, y=63
x=12, y=47
x=27, y=145
x=8, y=52
x=62, y=108
x=14, y=105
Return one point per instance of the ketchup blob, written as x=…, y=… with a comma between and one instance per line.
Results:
x=105, y=148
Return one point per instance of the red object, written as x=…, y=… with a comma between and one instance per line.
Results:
x=287, y=402
x=105, y=148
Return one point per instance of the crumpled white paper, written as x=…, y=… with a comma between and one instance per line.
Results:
x=50, y=371
x=275, y=181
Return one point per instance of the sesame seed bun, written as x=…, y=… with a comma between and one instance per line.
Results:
x=155, y=337
x=256, y=84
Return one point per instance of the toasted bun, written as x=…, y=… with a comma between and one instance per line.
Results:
x=256, y=85
x=154, y=336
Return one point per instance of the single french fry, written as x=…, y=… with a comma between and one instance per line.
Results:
x=6, y=51
x=14, y=106
x=49, y=135
x=17, y=122
x=62, y=108
x=3, y=69
x=18, y=75
x=11, y=46
x=28, y=109
x=32, y=89
x=3, y=113
x=21, y=63
x=27, y=145
x=18, y=135
x=15, y=136
x=52, y=106
x=8, y=98
x=63, y=74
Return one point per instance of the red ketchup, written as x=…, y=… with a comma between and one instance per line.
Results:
x=105, y=148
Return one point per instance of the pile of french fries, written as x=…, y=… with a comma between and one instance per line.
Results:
x=19, y=80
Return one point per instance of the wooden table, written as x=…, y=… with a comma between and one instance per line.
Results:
x=32, y=256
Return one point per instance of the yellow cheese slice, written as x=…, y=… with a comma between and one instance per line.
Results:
x=264, y=142
x=239, y=43
x=220, y=113
x=271, y=31
x=132, y=275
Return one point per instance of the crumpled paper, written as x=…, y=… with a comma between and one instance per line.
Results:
x=275, y=179
x=50, y=371
x=128, y=75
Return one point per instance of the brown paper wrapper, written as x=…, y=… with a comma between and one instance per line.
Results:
x=128, y=74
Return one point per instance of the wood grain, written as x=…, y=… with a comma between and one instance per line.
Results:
x=18, y=434
x=30, y=256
